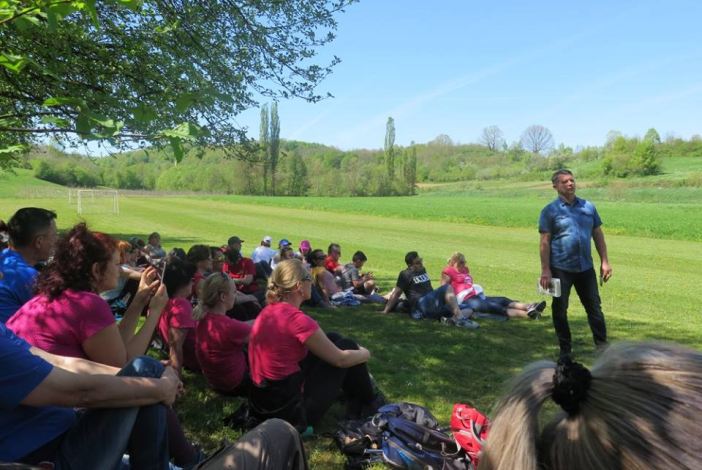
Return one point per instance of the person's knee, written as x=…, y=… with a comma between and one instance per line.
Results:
x=142, y=366
x=346, y=344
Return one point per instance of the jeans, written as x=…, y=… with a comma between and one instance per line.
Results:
x=100, y=436
x=433, y=305
x=494, y=305
x=585, y=284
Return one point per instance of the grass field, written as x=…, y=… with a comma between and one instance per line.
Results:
x=655, y=251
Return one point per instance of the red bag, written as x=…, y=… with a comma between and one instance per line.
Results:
x=470, y=429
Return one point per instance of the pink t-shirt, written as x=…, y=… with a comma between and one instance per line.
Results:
x=277, y=341
x=219, y=348
x=178, y=313
x=62, y=325
x=461, y=282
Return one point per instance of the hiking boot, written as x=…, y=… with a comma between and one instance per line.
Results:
x=535, y=310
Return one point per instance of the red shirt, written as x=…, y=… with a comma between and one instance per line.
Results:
x=197, y=277
x=460, y=281
x=330, y=264
x=220, y=342
x=178, y=313
x=277, y=341
x=240, y=270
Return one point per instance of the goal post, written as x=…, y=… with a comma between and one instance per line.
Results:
x=97, y=200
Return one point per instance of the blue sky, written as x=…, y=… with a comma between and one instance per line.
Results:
x=454, y=67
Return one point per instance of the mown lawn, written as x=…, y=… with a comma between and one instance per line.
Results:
x=654, y=293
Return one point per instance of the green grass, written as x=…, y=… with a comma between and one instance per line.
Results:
x=652, y=296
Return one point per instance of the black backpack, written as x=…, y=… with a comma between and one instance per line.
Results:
x=403, y=436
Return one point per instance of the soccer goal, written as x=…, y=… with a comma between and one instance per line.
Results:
x=94, y=201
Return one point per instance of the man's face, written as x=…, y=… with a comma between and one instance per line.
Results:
x=417, y=265
x=359, y=263
x=45, y=242
x=335, y=254
x=565, y=186
x=236, y=246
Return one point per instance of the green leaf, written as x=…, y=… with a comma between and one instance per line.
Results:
x=184, y=101
x=13, y=149
x=63, y=100
x=14, y=63
x=132, y=4
x=57, y=121
x=143, y=113
x=184, y=131
x=177, y=146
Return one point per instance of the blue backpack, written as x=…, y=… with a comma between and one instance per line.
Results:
x=403, y=436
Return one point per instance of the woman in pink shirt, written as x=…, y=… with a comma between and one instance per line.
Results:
x=69, y=318
x=458, y=275
x=220, y=340
x=176, y=325
x=297, y=370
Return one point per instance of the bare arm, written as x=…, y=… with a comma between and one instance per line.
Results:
x=393, y=299
x=147, y=286
x=320, y=345
x=545, y=253
x=64, y=388
x=176, y=338
x=601, y=247
x=74, y=364
x=445, y=279
x=140, y=341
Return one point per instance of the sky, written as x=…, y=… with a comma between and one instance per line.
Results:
x=454, y=67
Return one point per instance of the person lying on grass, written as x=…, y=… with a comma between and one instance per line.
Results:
x=297, y=370
x=424, y=302
x=470, y=295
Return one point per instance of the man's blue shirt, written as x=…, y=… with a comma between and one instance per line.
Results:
x=17, y=283
x=24, y=429
x=570, y=226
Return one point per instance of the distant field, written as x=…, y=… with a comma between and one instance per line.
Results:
x=654, y=293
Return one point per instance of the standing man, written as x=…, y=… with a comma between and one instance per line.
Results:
x=566, y=225
x=32, y=237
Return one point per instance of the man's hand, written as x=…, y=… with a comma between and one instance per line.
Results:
x=171, y=386
x=605, y=271
x=545, y=279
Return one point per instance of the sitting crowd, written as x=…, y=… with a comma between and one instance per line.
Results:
x=78, y=312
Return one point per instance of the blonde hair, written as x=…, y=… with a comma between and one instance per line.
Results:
x=456, y=258
x=286, y=275
x=641, y=410
x=208, y=291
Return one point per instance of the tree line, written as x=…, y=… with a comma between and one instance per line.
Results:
x=309, y=169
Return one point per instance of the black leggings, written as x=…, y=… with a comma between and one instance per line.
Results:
x=304, y=397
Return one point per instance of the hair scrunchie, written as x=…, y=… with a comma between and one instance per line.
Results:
x=571, y=381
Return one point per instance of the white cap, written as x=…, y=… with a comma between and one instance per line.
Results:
x=267, y=239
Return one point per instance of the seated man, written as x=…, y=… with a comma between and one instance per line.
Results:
x=32, y=236
x=263, y=253
x=423, y=301
x=241, y=269
x=351, y=276
x=38, y=392
x=332, y=260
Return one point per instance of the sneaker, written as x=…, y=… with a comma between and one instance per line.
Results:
x=466, y=323
x=417, y=315
x=447, y=321
x=535, y=310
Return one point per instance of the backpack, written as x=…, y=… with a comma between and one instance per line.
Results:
x=403, y=436
x=470, y=430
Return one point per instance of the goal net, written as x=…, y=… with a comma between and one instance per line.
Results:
x=94, y=201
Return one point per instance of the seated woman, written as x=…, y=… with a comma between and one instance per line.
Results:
x=118, y=298
x=176, y=325
x=201, y=257
x=68, y=317
x=219, y=339
x=638, y=407
x=458, y=276
x=153, y=248
x=297, y=370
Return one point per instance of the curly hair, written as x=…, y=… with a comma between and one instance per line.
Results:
x=76, y=253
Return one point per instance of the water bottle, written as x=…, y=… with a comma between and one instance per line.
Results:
x=554, y=288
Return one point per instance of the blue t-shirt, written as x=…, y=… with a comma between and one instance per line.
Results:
x=24, y=429
x=17, y=283
x=570, y=226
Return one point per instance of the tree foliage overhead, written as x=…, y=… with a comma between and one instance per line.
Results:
x=154, y=71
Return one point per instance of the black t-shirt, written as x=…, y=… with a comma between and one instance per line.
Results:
x=414, y=284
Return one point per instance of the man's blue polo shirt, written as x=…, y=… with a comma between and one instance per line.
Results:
x=570, y=226
x=17, y=283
